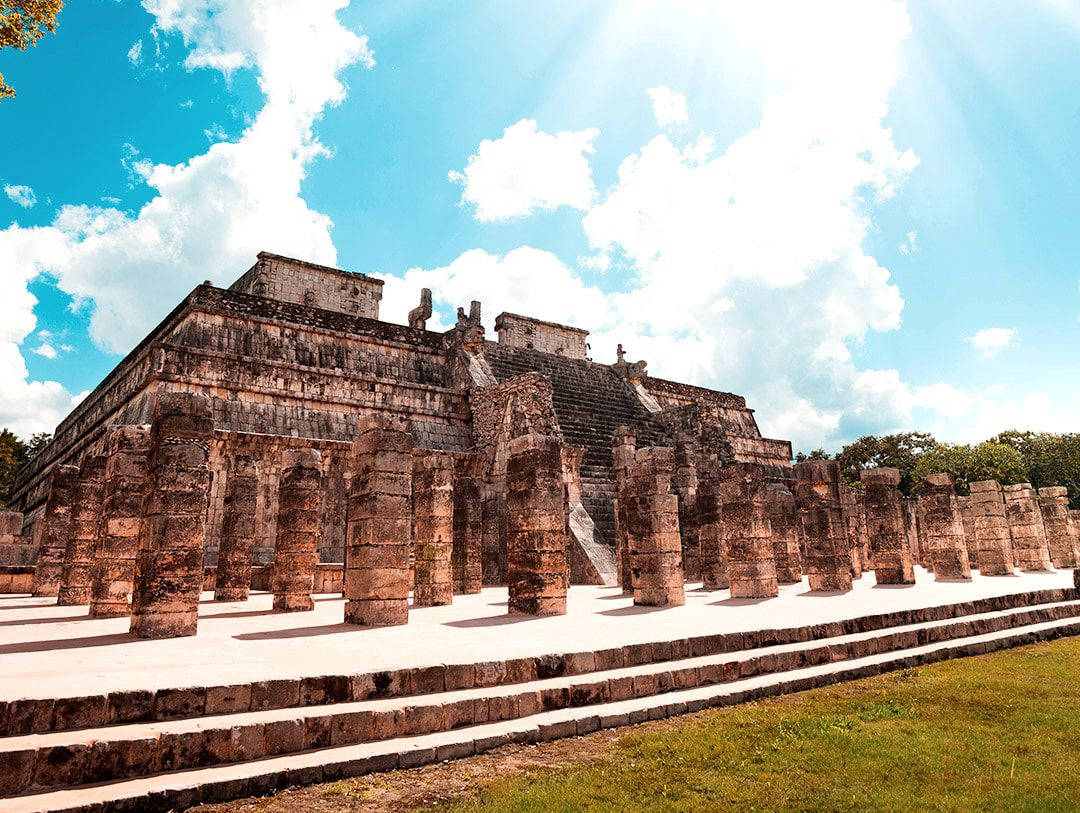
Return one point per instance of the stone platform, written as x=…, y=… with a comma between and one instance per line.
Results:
x=93, y=719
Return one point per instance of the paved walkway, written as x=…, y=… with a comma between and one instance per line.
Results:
x=50, y=651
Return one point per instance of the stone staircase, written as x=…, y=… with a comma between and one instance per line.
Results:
x=590, y=401
x=166, y=749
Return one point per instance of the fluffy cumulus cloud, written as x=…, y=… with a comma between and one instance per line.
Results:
x=527, y=170
x=990, y=341
x=20, y=195
x=669, y=106
x=208, y=215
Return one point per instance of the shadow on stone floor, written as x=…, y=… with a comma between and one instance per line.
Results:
x=67, y=643
x=56, y=620
x=302, y=632
x=490, y=621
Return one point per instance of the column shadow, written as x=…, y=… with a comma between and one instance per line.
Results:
x=67, y=643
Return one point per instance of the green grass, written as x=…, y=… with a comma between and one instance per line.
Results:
x=997, y=732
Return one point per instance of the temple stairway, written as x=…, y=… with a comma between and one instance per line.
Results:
x=590, y=401
x=171, y=748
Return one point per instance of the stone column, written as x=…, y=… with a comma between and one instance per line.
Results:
x=685, y=485
x=537, y=569
x=433, y=527
x=11, y=546
x=991, y=529
x=237, y=530
x=1074, y=525
x=747, y=533
x=850, y=511
x=56, y=530
x=76, y=580
x=117, y=546
x=784, y=520
x=622, y=457
x=1054, y=503
x=1026, y=527
x=945, y=541
x=890, y=549
x=296, y=546
x=169, y=567
x=652, y=520
x=467, y=555
x=379, y=525
x=911, y=526
x=710, y=526
x=828, y=556
x=969, y=530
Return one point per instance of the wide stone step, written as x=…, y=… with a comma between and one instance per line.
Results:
x=634, y=696
x=67, y=758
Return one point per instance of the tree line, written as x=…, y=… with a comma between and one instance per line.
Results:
x=1039, y=458
x=14, y=453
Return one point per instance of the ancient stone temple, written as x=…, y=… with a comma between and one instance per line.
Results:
x=890, y=550
x=295, y=355
x=828, y=552
x=946, y=544
x=1060, y=536
x=991, y=528
x=1026, y=527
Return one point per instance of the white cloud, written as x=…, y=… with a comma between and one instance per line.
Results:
x=20, y=195
x=991, y=340
x=187, y=103
x=134, y=53
x=669, y=106
x=910, y=245
x=45, y=350
x=527, y=170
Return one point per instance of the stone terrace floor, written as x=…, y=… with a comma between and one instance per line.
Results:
x=50, y=651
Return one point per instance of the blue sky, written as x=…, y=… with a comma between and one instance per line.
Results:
x=859, y=215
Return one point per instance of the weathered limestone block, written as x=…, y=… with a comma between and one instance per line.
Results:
x=113, y=573
x=536, y=564
x=911, y=526
x=1074, y=528
x=13, y=551
x=968, y=519
x=1026, y=526
x=296, y=550
x=76, y=579
x=652, y=520
x=467, y=555
x=622, y=457
x=747, y=533
x=922, y=555
x=991, y=528
x=945, y=540
x=169, y=567
x=56, y=530
x=784, y=520
x=379, y=525
x=685, y=485
x=828, y=555
x=710, y=525
x=850, y=510
x=238, y=530
x=433, y=527
x=890, y=549
x=1060, y=536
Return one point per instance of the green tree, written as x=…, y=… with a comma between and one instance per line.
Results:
x=815, y=454
x=900, y=451
x=1050, y=459
x=22, y=24
x=15, y=453
x=985, y=461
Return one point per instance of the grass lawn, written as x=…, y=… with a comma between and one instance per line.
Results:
x=998, y=732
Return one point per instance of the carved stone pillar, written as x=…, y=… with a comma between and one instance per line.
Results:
x=1060, y=539
x=945, y=540
x=622, y=457
x=991, y=528
x=652, y=528
x=169, y=567
x=685, y=485
x=296, y=548
x=237, y=530
x=710, y=526
x=433, y=527
x=890, y=550
x=467, y=556
x=969, y=530
x=747, y=533
x=828, y=555
x=76, y=579
x=379, y=526
x=849, y=509
x=537, y=569
x=784, y=520
x=12, y=549
x=1026, y=526
x=117, y=545
x=56, y=530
